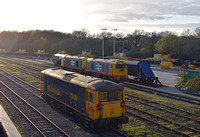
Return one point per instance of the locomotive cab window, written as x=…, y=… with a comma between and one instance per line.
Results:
x=119, y=95
x=119, y=66
x=103, y=96
x=114, y=95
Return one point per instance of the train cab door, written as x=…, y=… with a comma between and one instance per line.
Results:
x=90, y=108
x=87, y=102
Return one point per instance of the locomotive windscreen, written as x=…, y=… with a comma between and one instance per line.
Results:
x=113, y=95
x=119, y=66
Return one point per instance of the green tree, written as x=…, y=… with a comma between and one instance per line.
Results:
x=41, y=43
x=167, y=44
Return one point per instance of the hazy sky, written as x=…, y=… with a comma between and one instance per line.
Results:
x=124, y=15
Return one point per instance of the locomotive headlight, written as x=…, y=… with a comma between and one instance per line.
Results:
x=113, y=114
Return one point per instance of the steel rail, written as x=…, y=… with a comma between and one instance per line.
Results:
x=34, y=109
x=174, y=123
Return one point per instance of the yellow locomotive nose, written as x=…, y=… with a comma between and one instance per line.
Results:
x=112, y=110
x=112, y=113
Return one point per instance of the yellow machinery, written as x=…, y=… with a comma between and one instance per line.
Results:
x=40, y=52
x=160, y=57
x=87, y=54
x=187, y=65
x=3, y=51
x=157, y=57
x=22, y=51
x=62, y=51
x=120, y=56
x=166, y=65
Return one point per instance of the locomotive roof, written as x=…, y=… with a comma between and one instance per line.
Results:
x=96, y=84
x=132, y=62
x=59, y=54
x=104, y=60
x=135, y=62
x=75, y=57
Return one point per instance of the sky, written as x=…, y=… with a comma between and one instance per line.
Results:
x=123, y=15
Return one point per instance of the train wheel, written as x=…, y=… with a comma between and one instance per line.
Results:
x=92, y=125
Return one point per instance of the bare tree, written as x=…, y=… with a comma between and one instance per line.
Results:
x=134, y=38
x=119, y=35
x=197, y=32
x=186, y=33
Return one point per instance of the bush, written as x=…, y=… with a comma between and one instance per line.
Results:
x=188, y=85
x=193, y=84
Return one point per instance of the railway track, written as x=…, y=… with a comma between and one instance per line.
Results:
x=164, y=94
x=177, y=115
x=26, y=125
x=22, y=70
x=167, y=108
x=28, y=87
x=132, y=86
x=31, y=63
x=38, y=120
x=35, y=91
x=159, y=92
x=177, y=128
x=119, y=132
x=33, y=96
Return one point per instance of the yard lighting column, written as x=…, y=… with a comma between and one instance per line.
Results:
x=114, y=41
x=122, y=45
x=103, y=29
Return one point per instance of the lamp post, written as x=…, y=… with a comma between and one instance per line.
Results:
x=114, y=42
x=123, y=45
x=103, y=29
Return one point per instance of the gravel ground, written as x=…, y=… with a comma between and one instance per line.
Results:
x=168, y=77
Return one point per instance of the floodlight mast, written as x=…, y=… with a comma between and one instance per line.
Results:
x=103, y=29
x=114, y=41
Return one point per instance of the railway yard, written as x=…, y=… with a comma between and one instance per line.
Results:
x=152, y=111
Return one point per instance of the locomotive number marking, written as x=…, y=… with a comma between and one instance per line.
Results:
x=53, y=90
x=73, y=96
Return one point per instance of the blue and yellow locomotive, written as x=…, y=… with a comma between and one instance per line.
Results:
x=99, y=103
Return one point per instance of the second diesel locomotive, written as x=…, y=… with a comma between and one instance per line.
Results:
x=108, y=69
x=57, y=59
x=98, y=103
